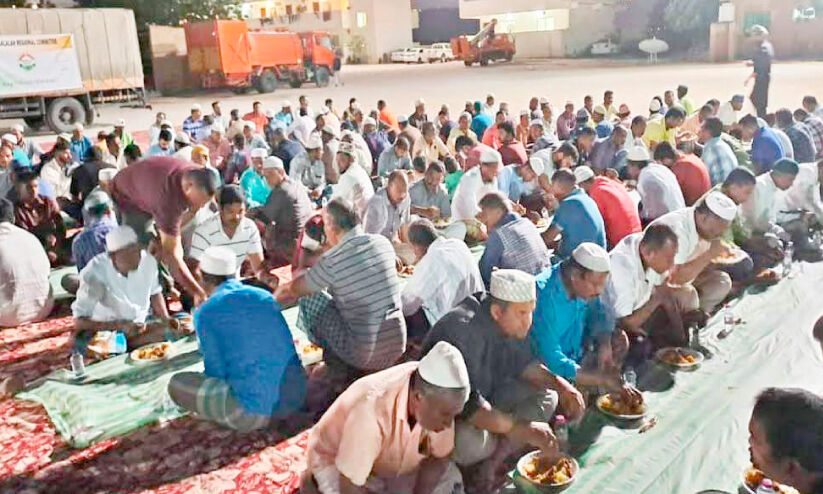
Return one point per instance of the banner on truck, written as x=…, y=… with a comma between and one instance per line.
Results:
x=38, y=63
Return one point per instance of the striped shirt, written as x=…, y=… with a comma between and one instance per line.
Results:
x=360, y=275
x=210, y=233
x=514, y=243
x=815, y=126
x=719, y=159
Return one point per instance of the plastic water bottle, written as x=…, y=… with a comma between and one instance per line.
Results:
x=561, y=432
x=630, y=377
x=788, y=255
x=168, y=410
x=78, y=368
x=766, y=487
x=728, y=318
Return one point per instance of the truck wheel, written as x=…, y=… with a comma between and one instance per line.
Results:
x=63, y=113
x=509, y=56
x=443, y=58
x=484, y=61
x=90, y=115
x=295, y=82
x=321, y=77
x=267, y=82
x=467, y=63
x=35, y=123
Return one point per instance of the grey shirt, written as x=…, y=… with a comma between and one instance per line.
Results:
x=384, y=218
x=289, y=207
x=310, y=173
x=389, y=162
x=421, y=197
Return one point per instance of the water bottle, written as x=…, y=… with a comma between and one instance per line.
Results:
x=630, y=377
x=788, y=255
x=78, y=368
x=168, y=410
x=561, y=432
x=766, y=487
x=728, y=318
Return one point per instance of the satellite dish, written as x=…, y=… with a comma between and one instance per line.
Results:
x=653, y=46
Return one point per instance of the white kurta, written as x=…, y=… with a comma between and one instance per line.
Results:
x=469, y=192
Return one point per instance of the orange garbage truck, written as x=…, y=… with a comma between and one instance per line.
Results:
x=224, y=53
x=484, y=47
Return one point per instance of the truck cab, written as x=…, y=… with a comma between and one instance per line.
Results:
x=319, y=56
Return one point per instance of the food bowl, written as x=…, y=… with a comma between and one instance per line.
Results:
x=689, y=359
x=752, y=478
x=153, y=353
x=523, y=473
x=603, y=404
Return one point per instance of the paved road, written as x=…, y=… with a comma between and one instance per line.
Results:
x=452, y=83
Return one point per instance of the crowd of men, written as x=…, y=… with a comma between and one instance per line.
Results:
x=601, y=229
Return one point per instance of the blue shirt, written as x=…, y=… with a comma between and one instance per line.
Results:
x=562, y=323
x=579, y=220
x=256, y=188
x=90, y=242
x=480, y=123
x=286, y=151
x=510, y=183
x=766, y=149
x=156, y=150
x=251, y=353
x=79, y=149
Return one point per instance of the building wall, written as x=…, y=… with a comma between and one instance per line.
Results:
x=587, y=25
x=442, y=24
x=791, y=39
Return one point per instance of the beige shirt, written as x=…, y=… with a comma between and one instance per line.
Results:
x=25, y=292
x=433, y=151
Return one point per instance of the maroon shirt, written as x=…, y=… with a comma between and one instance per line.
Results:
x=514, y=153
x=153, y=186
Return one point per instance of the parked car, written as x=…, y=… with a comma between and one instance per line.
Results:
x=399, y=56
x=441, y=52
x=415, y=55
x=605, y=47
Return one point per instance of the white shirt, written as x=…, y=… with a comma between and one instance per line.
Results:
x=53, y=173
x=184, y=153
x=683, y=225
x=210, y=233
x=302, y=128
x=759, y=213
x=25, y=292
x=659, y=191
x=727, y=113
x=469, y=192
x=154, y=134
x=107, y=295
x=804, y=192
x=446, y=275
x=630, y=285
x=354, y=185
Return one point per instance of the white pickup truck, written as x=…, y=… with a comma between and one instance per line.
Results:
x=438, y=52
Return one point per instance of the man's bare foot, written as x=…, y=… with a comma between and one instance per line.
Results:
x=11, y=386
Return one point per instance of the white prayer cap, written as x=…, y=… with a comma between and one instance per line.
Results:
x=64, y=136
x=419, y=102
x=758, y=30
x=273, y=162
x=355, y=105
x=216, y=127
x=599, y=109
x=536, y=123
x=182, y=138
x=721, y=205
x=444, y=367
x=196, y=107
x=583, y=173
x=524, y=113
x=654, y=105
x=727, y=115
x=96, y=199
x=249, y=124
x=259, y=153
x=369, y=121
x=120, y=123
x=270, y=113
x=346, y=148
x=329, y=129
x=537, y=166
x=490, y=95
x=638, y=153
x=10, y=138
x=314, y=142
x=592, y=257
x=120, y=238
x=543, y=101
x=18, y=127
x=219, y=261
x=79, y=126
x=106, y=174
x=167, y=123
x=466, y=114
x=490, y=156
x=285, y=104
x=512, y=285
x=402, y=119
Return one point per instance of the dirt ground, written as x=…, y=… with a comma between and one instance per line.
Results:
x=634, y=83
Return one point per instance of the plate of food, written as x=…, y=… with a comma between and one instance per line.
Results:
x=309, y=353
x=752, y=478
x=152, y=353
x=680, y=358
x=615, y=406
x=541, y=223
x=732, y=256
x=443, y=222
x=767, y=276
x=406, y=271
x=537, y=472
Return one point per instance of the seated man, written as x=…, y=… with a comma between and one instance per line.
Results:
x=394, y=158
x=513, y=396
x=39, y=216
x=514, y=242
x=356, y=447
x=656, y=183
x=354, y=184
x=786, y=438
x=577, y=218
x=444, y=275
x=767, y=148
x=804, y=208
x=569, y=317
x=610, y=152
x=118, y=291
x=512, y=151
x=664, y=128
x=167, y=193
x=516, y=181
x=253, y=375
x=469, y=152
x=759, y=230
x=307, y=168
x=690, y=171
x=474, y=184
x=25, y=292
x=254, y=184
x=388, y=210
x=430, y=147
x=229, y=228
x=57, y=173
x=699, y=231
x=616, y=206
x=637, y=288
x=428, y=197
x=353, y=310
x=717, y=155
x=98, y=221
x=284, y=214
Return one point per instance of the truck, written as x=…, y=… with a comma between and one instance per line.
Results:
x=484, y=47
x=58, y=65
x=224, y=53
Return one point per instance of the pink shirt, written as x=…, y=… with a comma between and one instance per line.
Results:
x=366, y=431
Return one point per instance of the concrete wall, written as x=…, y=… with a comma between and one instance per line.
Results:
x=722, y=42
x=388, y=27
x=587, y=25
x=540, y=44
x=790, y=39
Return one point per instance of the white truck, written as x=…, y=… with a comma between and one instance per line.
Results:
x=57, y=65
x=439, y=52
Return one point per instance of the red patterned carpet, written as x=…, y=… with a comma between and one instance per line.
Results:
x=185, y=456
